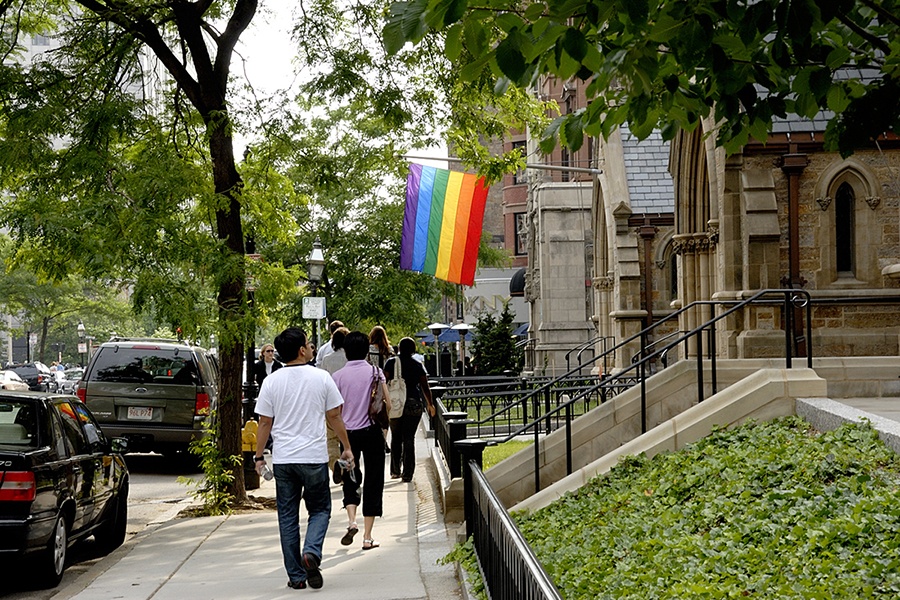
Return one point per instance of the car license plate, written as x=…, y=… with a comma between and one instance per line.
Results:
x=140, y=413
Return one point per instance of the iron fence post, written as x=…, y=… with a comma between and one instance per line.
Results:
x=469, y=450
x=456, y=431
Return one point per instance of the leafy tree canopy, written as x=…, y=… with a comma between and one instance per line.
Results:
x=667, y=64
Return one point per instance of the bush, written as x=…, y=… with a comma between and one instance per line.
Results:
x=771, y=510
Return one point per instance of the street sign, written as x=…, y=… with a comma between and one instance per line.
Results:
x=313, y=307
x=82, y=348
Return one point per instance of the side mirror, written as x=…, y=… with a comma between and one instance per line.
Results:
x=119, y=445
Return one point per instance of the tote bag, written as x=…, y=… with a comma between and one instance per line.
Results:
x=397, y=389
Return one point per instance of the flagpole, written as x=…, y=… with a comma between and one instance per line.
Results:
x=527, y=165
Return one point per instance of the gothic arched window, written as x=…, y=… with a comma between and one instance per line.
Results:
x=844, y=207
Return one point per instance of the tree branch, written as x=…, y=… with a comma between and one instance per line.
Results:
x=142, y=28
x=891, y=17
x=240, y=19
x=876, y=41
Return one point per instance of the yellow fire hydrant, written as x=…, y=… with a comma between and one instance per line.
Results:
x=248, y=445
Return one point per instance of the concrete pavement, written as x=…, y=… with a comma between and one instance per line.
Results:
x=239, y=556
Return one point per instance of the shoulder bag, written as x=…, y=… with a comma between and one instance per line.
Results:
x=377, y=408
x=397, y=388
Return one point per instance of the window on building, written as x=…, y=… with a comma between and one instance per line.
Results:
x=519, y=176
x=673, y=276
x=521, y=235
x=40, y=40
x=844, y=201
x=565, y=161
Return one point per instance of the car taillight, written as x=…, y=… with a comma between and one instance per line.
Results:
x=201, y=405
x=81, y=392
x=17, y=486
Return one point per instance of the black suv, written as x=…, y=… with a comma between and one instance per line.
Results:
x=37, y=375
x=155, y=393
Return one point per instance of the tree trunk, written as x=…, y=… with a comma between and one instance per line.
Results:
x=231, y=302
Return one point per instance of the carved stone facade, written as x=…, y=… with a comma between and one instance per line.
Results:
x=789, y=214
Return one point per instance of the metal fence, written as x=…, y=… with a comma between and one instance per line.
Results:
x=509, y=567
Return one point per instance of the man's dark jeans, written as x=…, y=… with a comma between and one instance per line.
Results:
x=310, y=482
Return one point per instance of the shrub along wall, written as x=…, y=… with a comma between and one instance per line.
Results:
x=766, y=510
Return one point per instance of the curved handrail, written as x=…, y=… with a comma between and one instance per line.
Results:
x=636, y=356
x=583, y=346
x=577, y=370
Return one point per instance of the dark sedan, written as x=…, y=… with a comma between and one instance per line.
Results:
x=37, y=375
x=61, y=481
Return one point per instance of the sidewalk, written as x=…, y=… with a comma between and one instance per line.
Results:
x=239, y=556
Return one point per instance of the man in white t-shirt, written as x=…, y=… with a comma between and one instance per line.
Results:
x=293, y=404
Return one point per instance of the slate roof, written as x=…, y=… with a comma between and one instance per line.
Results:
x=650, y=186
x=796, y=124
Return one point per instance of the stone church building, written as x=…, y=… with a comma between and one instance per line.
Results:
x=666, y=224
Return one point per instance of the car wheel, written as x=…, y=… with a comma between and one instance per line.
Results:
x=111, y=534
x=51, y=563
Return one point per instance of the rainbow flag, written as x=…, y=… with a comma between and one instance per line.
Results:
x=442, y=223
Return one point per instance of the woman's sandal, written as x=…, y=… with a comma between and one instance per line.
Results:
x=369, y=544
x=348, y=537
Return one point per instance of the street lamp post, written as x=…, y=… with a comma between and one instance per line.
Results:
x=81, y=349
x=463, y=329
x=315, y=270
x=436, y=329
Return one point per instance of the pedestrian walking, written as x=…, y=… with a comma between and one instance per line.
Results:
x=379, y=351
x=418, y=398
x=326, y=349
x=293, y=404
x=332, y=363
x=266, y=364
x=355, y=382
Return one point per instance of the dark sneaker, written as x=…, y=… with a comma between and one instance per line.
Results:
x=337, y=473
x=297, y=585
x=313, y=574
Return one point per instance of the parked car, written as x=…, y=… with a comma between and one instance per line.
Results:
x=155, y=393
x=10, y=380
x=67, y=380
x=37, y=375
x=61, y=481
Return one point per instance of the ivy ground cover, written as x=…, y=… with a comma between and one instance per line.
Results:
x=767, y=510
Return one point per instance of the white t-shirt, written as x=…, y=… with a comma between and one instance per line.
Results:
x=297, y=397
x=324, y=350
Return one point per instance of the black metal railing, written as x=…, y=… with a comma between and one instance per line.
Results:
x=589, y=345
x=637, y=372
x=509, y=567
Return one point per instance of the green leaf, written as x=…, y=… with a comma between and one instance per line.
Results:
x=509, y=57
x=573, y=135
x=574, y=43
x=453, y=42
x=534, y=11
x=443, y=13
x=837, y=57
x=665, y=28
x=837, y=99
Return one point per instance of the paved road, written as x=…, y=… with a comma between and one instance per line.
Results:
x=155, y=496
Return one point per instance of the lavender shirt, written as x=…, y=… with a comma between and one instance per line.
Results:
x=355, y=384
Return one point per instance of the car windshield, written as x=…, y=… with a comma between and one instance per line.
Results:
x=17, y=424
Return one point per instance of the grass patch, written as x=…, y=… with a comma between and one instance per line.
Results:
x=494, y=454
